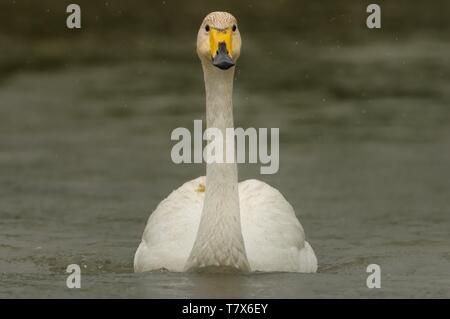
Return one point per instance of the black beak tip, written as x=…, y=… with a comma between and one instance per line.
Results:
x=222, y=60
x=223, y=65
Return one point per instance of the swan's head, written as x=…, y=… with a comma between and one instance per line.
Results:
x=219, y=41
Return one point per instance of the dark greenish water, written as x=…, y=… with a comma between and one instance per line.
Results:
x=365, y=153
x=364, y=159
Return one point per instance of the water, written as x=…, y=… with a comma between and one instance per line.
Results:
x=365, y=153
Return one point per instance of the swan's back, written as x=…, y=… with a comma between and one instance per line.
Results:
x=171, y=229
x=274, y=238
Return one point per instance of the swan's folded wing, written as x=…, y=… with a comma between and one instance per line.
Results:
x=170, y=231
x=274, y=238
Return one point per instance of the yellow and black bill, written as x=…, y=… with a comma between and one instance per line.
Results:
x=221, y=48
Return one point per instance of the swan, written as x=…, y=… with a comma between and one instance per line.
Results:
x=214, y=223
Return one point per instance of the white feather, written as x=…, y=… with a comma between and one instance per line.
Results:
x=243, y=227
x=274, y=238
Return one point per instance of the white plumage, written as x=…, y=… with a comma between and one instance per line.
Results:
x=239, y=227
x=274, y=238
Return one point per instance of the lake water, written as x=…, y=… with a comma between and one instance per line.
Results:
x=365, y=156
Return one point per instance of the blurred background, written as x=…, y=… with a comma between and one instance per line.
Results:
x=86, y=117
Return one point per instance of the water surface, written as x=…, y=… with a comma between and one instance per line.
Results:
x=365, y=153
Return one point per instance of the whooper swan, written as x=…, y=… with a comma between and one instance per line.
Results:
x=214, y=223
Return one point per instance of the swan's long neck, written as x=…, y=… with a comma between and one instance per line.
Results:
x=219, y=243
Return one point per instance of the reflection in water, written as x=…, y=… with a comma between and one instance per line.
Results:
x=219, y=285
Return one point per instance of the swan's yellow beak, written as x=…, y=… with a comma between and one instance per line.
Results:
x=221, y=48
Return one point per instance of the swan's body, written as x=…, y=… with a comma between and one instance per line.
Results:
x=274, y=239
x=239, y=227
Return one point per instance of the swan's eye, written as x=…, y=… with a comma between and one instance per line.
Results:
x=207, y=28
x=234, y=27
